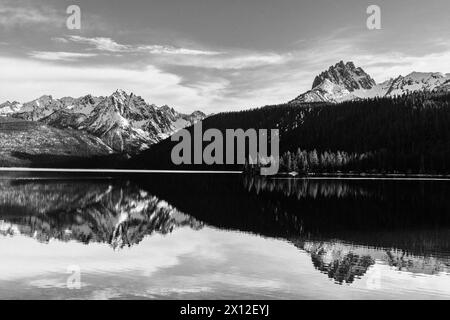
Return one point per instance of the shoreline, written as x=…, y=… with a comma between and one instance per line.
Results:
x=283, y=175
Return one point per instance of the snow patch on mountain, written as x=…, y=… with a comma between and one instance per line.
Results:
x=326, y=91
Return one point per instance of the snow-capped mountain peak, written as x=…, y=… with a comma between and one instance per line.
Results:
x=417, y=81
x=340, y=82
x=344, y=81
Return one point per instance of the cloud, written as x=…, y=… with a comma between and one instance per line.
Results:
x=389, y=65
x=60, y=40
x=60, y=56
x=24, y=80
x=178, y=56
x=230, y=61
x=109, y=45
x=158, y=49
x=11, y=16
x=185, y=56
x=213, y=80
x=101, y=43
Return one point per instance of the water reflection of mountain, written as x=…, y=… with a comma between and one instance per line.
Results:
x=339, y=263
x=117, y=213
x=344, y=226
x=344, y=262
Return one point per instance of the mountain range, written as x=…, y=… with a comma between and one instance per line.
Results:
x=48, y=131
x=344, y=82
x=122, y=121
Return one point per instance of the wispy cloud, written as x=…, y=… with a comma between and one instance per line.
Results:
x=188, y=57
x=100, y=43
x=159, y=49
x=109, y=45
x=60, y=40
x=231, y=61
x=60, y=56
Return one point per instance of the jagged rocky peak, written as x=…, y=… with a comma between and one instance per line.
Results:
x=125, y=103
x=346, y=75
x=342, y=81
x=44, y=98
x=169, y=110
x=174, y=115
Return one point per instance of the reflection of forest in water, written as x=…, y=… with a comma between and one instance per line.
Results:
x=304, y=188
x=344, y=226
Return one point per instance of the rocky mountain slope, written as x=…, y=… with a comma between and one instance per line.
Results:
x=418, y=81
x=344, y=81
x=124, y=122
x=23, y=142
x=8, y=108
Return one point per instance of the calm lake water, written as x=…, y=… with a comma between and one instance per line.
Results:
x=170, y=236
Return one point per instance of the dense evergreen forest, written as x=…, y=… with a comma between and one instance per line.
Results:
x=407, y=134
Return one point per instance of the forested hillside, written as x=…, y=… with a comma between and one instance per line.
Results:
x=408, y=133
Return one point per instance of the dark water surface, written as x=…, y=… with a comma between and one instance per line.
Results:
x=222, y=236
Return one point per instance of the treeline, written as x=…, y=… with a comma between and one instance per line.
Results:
x=303, y=161
x=409, y=133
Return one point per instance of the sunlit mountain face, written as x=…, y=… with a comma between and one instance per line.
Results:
x=348, y=232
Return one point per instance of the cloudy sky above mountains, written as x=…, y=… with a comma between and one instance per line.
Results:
x=210, y=54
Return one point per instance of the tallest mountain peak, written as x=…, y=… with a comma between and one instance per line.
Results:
x=340, y=82
x=347, y=75
x=120, y=93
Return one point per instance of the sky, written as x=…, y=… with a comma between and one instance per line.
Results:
x=212, y=55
